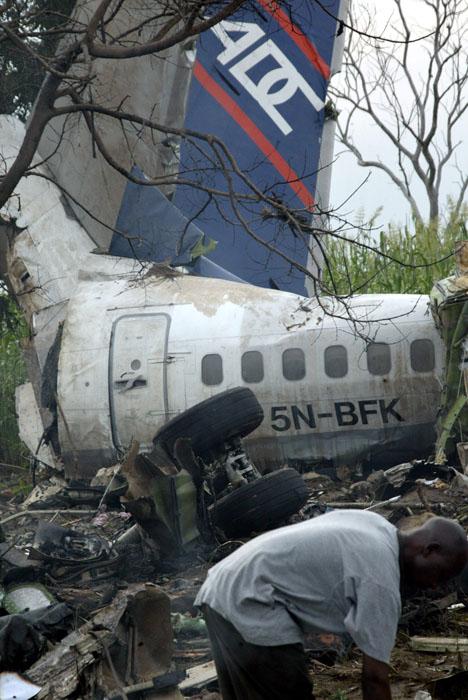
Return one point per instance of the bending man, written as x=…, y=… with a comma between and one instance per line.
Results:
x=340, y=572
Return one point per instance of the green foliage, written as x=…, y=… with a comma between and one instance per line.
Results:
x=395, y=260
x=12, y=373
x=39, y=23
x=22, y=487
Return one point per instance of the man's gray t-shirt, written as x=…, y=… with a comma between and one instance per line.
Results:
x=336, y=573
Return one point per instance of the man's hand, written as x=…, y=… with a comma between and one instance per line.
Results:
x=375, y=683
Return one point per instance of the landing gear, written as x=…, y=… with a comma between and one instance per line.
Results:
x=242, y=500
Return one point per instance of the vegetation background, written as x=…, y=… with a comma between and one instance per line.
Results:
x=396, y=260
x=12, y=373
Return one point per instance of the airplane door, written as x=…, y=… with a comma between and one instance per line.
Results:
x=137, y=378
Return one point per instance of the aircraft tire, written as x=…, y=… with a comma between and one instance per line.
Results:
x=232, y=413
x=260, y=505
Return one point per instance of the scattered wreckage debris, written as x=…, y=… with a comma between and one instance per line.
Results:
x=438, y=644
x=80, y=567
x=15, y=687
x=452, y=687
x=24, y=636
x=69, y=556
x=127, y=643
x=199, y=677
x=171, y=497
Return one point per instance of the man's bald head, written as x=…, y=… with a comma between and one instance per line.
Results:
x=434, y=553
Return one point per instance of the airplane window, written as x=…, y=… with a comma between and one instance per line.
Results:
x=212, y=369
x=422, y=355
x=379, y=360
x=252, y=366
x=336, y=361
x=293, y=364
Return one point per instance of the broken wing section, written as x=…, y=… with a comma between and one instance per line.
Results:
x=43, y=245
x=42, y=248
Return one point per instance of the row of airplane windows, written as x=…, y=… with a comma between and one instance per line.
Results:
x=379, y=362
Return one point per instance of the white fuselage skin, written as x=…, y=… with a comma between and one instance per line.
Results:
x=138, y=350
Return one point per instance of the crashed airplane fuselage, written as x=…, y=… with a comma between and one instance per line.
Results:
x=136, y=351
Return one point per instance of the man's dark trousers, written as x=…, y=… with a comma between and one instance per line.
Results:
x=251, y=672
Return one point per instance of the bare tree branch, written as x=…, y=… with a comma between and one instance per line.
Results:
x=414, y=95
x=190, y=27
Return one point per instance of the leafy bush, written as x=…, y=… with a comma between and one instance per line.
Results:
x=22, y=73
x=395, y=260
x=12, y=373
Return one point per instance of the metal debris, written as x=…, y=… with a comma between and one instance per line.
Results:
x=15, y=687
x=127, y=642
x=438, y=644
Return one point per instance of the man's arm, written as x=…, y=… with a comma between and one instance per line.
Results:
x=375, y=683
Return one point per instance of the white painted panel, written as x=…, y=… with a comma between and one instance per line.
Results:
x=30, y=425
x=138, y=378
